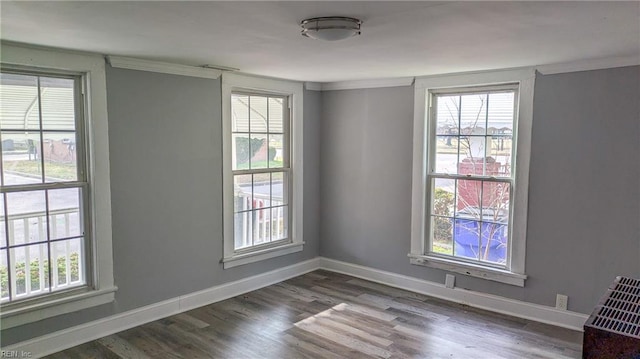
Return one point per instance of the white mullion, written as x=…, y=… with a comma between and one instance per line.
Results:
x=258, y=171
x=44, y=186
x=471, y=177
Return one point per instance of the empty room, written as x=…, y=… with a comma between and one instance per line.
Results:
x=315, y=179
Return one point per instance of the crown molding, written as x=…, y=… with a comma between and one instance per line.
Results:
x=588, y=65
x=365, y=84
x=313, y=86
x=163, y=67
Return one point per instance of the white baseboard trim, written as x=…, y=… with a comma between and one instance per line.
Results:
x=516, y=308
x=67, y=338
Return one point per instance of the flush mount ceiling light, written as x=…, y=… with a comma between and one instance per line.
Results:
x=330, y=28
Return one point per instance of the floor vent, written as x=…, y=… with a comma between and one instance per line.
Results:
x=613, y=330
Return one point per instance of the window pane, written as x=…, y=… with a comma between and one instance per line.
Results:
x=58, y=107
x=68, y=269
x=500, y=152
x=258, y=114
x=501, y=113
x=279, y=223
x=242, y=229
x=259, y=151
x=31, y=269
x=64, y=213
x=472, y=155
x=442, y=235
x=446, y=155
x=448, y=109
x=240, y=152
x=495, y=201
x=19, y=102
x=468, y=199
x=473, y=114
x=261, y=226
x=27, y=217
x=276, y=151
x=443, y=196
x=60, y=157
x=494, y=242
x=279, y=189
x=239, y=113
x=467, y=238
x=276, y=115
x=243, y=192
x=4, y=276
x=261, y=190
x=21, y=163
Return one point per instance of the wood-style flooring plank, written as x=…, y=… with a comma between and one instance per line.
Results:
x=329, y=315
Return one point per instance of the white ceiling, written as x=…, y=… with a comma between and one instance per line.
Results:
x=398, y=38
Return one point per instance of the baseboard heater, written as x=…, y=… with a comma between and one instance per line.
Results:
x=613, y=329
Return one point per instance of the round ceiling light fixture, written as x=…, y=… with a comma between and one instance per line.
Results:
x=330, y=28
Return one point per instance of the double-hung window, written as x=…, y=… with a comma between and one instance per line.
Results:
x=55, y=211
x=262, y=169
x=43, y=207
x=471, y=187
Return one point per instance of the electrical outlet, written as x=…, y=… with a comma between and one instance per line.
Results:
x=450, y=281
x=562, y=301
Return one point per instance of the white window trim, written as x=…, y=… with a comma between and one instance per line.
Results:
x=103, y=288
x=525, y=77
x=234, y=82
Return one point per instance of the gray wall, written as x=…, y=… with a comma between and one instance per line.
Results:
x=584, y=198
x=164, y=133
x=166, y=188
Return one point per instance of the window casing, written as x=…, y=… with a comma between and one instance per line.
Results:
x=470, y=178
x=262, y=168
x=469, y=173
x=72, y=191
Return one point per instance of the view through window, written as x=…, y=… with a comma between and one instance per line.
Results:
x=44, y=185
x=261, y=169
x=471, y=175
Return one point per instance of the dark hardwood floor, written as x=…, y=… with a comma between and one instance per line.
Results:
x=328, y=315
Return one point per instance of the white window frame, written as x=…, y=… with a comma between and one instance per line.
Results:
x=514, y=273
x=294, y=90
x=102, y=288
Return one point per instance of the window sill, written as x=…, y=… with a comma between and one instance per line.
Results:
x=13, y=316
x=246, y=258
x=470, y=269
